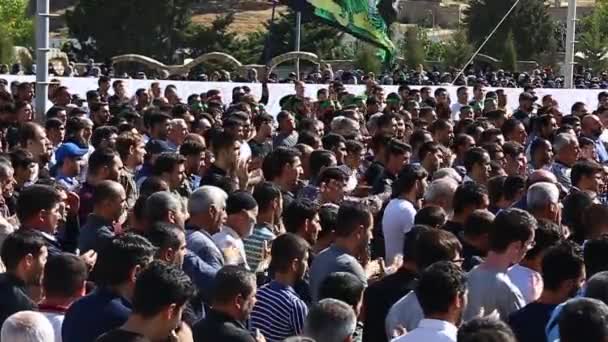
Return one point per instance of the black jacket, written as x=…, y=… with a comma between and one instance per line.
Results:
x=218, y=327
x=13, y=296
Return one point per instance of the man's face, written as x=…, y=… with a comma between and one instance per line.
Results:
x=179, y=131
x=483, y=169
x=180, y=253
x=545, y=154
x=302, y=267
x=517, y=165
x=73, y=166
x=36, y=271
x=334, y=191
x=571, y=153
x=39, y=147
x=399, y=128
x=520, y=135
x=115, y=169
x=102, y=116
x=442, y=97
x=139, y=153
x=463, y=95
x=294, y=171
x=312, y=229
x=162, y=129
x=433, y=161
x=194, y=163
x=53, y=216
x=177, y=176
x=143, y=99
x=247, y=304
x=446, y=136
x=8, y=184
x=340, y=152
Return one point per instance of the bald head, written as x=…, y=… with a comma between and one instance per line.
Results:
x=591, y=126
x=108, y=190
x=541, y=176
x=27, y=326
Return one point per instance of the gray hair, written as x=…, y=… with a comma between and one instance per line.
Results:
x=160, y=203
x=6, y=169
x=563, y=140
x=542, y=194
x=330, y=320
x=27, y=326
x=206, y=197
x=345, y=126
x=447, y=172
x=440, y=189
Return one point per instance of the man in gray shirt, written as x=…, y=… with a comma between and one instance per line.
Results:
x=353, y=233
x=490, y=289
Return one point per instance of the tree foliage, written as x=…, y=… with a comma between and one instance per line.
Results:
x=458, y=51
x=509, y=55
x=593, y=38
x=16, y=25
x=529, y=22
x=106, y=28
x=367, y=58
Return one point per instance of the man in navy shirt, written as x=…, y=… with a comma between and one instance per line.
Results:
x=108, y=306
x=563, y=275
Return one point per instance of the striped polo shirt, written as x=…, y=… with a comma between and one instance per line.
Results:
x=278, y=312
x=254, y=244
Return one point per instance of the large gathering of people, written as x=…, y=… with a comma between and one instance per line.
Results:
x=373, y=217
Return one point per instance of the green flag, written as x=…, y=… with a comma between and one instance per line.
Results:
x=360, y=18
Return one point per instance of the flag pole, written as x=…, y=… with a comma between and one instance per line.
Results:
x=570, y=45
x=42, y=59
x=298, y=37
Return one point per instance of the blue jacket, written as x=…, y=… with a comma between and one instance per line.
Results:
x=93, y=315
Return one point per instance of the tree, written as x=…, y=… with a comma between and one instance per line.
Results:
x=317, y=37
x=509, y=55
x=15, y=22
x=529, y=22
x=593, y=40
x=367, y=59
x=458, y=51
x=412, y=47
x=106, y=28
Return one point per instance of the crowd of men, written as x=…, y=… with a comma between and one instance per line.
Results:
x=475, y=74
x=368, y=217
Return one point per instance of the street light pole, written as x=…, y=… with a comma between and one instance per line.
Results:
x=570, y=45
x=298, y=37
x=42, y=59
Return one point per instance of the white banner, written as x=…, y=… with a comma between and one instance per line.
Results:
x=80, y=85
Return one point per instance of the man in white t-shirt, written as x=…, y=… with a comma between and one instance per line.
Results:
x=241, y=211
x=462, y=94
x=63, y=283
x=399, y=214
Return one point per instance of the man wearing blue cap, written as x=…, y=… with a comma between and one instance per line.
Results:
x=69, y=162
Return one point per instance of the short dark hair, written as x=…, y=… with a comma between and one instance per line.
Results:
x=35, y=198
x=28, y=132
x=432, y=215
x=496, y=189
x=52, y=123
x=102, y=133
x=354, y=146
x=439, y=285
x=332, y=173
x=350, y=216
x=64, y=275
x=546, y=235
x=583, y=319
x=105, y=191
x=156, y=118
x=342, y=286
x=584, y=168
x=167, y=162
x=320, y=159
x=537, y=144
x=158, y=286
x=435, y=245
x=21, y=158
x=486, y=329
x=261, y=119
x=273, y=164
x=332, y=140
x=426, y=148
x=116, y=259
x=512, y=149
x=511, y=225
x=478, y=223
x=232, y=281
x=509, y=126
x=468, y=194
x=222, y=140
x=472, y=156
x=101, y=158
x=407, y=178
x=285, y=249
x=19, y=244
x=164, y=235
x=560, y=263
x=594, y=253
x=397, y=148
x=514, y=185
x=298, y=212
x=265, y=193
x=191, y=148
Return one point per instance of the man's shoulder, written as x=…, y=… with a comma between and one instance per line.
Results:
x=220, y=331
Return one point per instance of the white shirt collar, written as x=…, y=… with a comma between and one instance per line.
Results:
x=47, y=235
x=439, y=325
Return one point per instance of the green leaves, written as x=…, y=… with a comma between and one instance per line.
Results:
x=593, y=38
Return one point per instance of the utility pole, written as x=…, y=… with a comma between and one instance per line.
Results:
x=298, y=37
x=42, y=58
x=570, y=45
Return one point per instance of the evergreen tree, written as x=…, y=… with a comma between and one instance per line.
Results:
x=412, y=48
x=367, y=59
x=529, y=22
x=593, y=39
x=509, y=55
x=458, y=50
